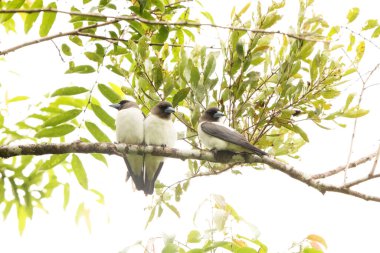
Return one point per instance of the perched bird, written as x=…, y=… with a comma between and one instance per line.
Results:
x=130, y=130
x=214, y=135
x=159, y=130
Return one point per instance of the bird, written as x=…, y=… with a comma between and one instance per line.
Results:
x=159, y=130
x=215, y=136
x=130, y=130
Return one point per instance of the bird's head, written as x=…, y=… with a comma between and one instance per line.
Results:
x=124, y=104
x=163, y=110
x=212, y=114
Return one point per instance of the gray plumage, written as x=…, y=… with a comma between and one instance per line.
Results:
x=216, y=136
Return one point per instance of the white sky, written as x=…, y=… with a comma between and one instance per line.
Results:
x=283, y=209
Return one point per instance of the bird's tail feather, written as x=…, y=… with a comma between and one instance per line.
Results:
x=137, y=179
x=149, y=184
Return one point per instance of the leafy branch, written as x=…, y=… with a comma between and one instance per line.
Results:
x=115, y=19
x=314, y=181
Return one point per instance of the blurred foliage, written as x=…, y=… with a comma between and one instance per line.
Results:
x=219, y=228
x=265, y=83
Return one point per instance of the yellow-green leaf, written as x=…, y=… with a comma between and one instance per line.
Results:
x=79, y=171
x=66, y=195
x=109, y=93
x=355, y=112
x=56, y=131
x=32, y=17
x=180, y=96
x=194, y=236
x=66, y=49
x=103, y=116
x=360, y=51
x=10, y=5
x=352, y=14
x=95, y=131
x=48, y=19
x=69, y=91
x=63, y=117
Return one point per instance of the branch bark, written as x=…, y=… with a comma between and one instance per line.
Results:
x=204, y=155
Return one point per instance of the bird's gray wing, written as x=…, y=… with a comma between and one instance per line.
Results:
x=228, y=135
x=137, y=179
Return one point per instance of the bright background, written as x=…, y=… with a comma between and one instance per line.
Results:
x=284, y=210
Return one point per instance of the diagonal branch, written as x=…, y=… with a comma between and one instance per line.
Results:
x=227, y=157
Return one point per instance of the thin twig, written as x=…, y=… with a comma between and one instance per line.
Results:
x=51, y=37
x=343, y=167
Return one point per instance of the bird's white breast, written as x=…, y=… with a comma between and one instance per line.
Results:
x=159, y=131
x=130, y=126
x=209, y=141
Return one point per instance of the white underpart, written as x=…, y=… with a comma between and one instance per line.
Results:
x=130, y=130
x=157, y=132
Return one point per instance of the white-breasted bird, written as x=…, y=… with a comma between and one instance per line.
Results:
x=215, y=136
x=159, y=130
x=130, y=130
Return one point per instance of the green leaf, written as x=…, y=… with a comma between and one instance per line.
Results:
x=352, y=14
x=246, y=250
x=151, y=216
x=79, y=171
x=66, y=49
x=56, y=131
x=17, y=99
x=270, y=20
x=53, y=161
x=48, y=19
x=355, y=112
x=208, y=16
x=76, y=40
x=302, y=133
x=371, y=23
x=81, y=69
x=1, y=120
x=210, y=66
x=312, y=250
x=103, y=116
x=376, y=33
x=162, y=34
x=69, y=91
x=21, y=215
x=94, y=57
x=170, y=248
x=109, y=93
x=32, y=17
x=63, y=117
x=240, y=49
x=95, y=131
x=66, y=195
x=173, y=209
x=194, y=236
x=349, y=99
x=180, y=96
x=10, y=5
x=360, y=51
x=100, y=157
x=159, y=5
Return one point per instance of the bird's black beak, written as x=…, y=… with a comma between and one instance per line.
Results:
x=169, y=110
x=116, y=106
x=218, y=115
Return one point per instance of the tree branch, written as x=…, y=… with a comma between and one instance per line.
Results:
x=51, y=37
x=219, y=157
